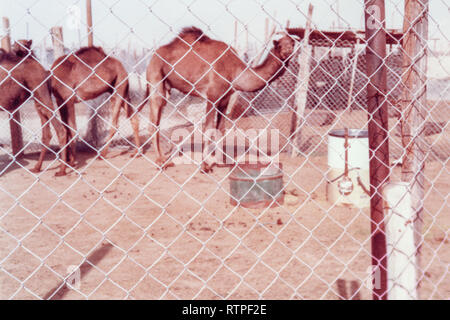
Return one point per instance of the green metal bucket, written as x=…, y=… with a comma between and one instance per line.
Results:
x=257, y=185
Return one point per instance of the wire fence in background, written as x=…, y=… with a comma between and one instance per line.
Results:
x=328, y=93
x=122, y=227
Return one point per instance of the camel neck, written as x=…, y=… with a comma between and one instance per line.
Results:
x=253, y=79
x=269, y=66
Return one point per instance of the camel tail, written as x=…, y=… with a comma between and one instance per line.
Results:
x=146, y=97
x=50, y=91
x=49, y=85
x=128, y=106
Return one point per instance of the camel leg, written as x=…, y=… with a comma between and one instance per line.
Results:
x=135, y=125
x=61, y=133
x=66, y=110
x=69, y=157
x=45, y=114
x=209, y=124
x=116, y=103
x=45, y=140
x=221, y=109
x=72, y=122
x=157, y=102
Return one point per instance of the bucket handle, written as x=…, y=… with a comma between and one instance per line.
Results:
x=358, y=179
x=345, y=174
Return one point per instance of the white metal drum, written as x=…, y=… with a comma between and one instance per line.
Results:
x=351, y=189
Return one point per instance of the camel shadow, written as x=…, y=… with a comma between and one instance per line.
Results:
x=8, y=164
x=82, y=160
x=83, y=157
x=343, y=294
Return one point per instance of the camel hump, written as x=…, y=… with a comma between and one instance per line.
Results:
x=91, y=50
x=8, y=56
x=194, y=32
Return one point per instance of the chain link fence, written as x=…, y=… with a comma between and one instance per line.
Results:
x=123, y=227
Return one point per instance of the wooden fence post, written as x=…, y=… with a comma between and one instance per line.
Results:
x=302, y=82
x=246, y=41
x=414, y=105
x=353, y=76
x=94, y=126
x=58, y=42
x=6, y=40
x=14, y=123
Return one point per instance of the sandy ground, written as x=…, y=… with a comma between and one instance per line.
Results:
x=140, y=233
x=136, y=232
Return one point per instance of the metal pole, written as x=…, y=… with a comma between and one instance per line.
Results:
x=378, y=136
x=89, y=23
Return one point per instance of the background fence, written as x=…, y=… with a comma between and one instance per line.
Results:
x=122, y=228
x=328, y=94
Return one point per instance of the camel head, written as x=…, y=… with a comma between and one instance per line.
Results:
x=3, y=54
x=22, y=48
x=284, y=47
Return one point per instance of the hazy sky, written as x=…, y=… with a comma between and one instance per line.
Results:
x=146, y=22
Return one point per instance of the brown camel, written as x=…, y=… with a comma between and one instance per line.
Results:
x=85, y=75
x=199, y=66
x=22, y=77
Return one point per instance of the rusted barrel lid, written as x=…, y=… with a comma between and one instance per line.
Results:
x=352, y=133
x=252, y=171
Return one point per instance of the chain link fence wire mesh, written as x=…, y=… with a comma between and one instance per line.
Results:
x=122, y=227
